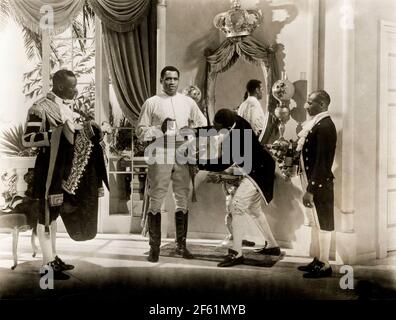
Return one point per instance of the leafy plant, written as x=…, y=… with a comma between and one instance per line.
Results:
x=85, y=103
x=81, y=28
x=122, y=138
x=12, y=143
x=83, y=64
x=9, y=181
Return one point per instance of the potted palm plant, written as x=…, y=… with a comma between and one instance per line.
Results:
x=11, y=143
x=18, y=158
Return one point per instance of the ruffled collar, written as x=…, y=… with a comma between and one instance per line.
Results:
x=307, y=127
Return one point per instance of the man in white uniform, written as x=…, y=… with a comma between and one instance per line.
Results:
x=251, y=109
x=175, y=111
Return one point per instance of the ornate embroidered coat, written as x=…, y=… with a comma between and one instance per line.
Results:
x=81, y=182
x=69, y=168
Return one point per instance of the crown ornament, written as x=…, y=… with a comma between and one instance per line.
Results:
x=237, y=22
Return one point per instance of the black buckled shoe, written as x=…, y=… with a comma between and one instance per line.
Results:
x=318, y=271
x=309, y=266
x=57, y=271
x=64, y=266
x=275, y=251
x=259, y=250
x=231, y=259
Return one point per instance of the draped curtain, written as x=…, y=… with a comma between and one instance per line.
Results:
x=120, y=15
x=247, y=48
x=131, y=61
x=31, y=12
x=129, y=35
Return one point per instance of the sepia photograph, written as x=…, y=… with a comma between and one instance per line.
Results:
x=197, y=158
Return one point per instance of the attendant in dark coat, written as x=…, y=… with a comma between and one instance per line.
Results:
x=318, y=142
x=242, y=152
x=45, y=120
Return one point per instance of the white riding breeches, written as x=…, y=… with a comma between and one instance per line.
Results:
x=159, y=177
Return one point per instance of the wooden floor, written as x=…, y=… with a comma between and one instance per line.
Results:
x=115, y=267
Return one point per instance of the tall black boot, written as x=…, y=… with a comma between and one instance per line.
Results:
x=154, y=226
x=181, y=220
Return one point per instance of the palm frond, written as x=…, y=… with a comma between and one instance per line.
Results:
x=4, y=11
x=32, y=42
x=54, y=53
x=11, y=141
x=88, y=14
x=32, y=82
x=4, y=7
x=79, y=32
x=88, y=18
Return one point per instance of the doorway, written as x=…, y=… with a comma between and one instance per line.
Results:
x=387, y=140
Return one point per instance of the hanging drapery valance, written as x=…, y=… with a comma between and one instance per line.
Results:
x=33, y=14
x=120, y=15
x=117, y=15
x=250, y=50
x=246, y=47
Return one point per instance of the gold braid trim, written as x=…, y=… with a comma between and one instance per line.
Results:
x=82, y=150
x=88, y=131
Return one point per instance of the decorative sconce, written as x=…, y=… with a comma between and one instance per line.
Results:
x=283, y=91
x=284, y=151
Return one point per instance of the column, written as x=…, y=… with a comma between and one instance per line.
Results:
x=313, y=45
x=101, y=108
x=45, y=44
x=161, y=63
x=161, y=39
x=101, y=77
x=348, y=94
x=346, y=237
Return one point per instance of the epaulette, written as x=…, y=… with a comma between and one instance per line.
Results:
x=40, y=100
x=37, y=108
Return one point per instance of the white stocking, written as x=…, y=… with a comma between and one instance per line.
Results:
x=228, y=222
x=53, y=237
x=263, y=226
x=237, y=233
x=324, y=244
x=45, y=244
